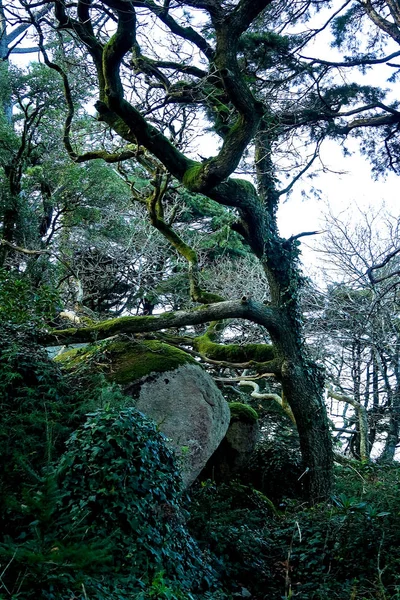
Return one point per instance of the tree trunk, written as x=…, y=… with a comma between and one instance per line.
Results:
x=302, y=379
x=303, y=386
x=394, y=427
x=394, y=406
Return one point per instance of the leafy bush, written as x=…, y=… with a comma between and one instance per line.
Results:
x=108, y=522
x=232, y=522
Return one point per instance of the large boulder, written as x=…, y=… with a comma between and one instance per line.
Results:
x=169, y=386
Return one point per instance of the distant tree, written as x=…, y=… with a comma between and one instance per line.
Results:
x=367, y=32
x=357, y=322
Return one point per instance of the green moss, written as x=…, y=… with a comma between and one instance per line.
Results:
x=208, y=298
x=234, y=352
x=242, y=412
x=103, y=330
x=191, y=177
x=109, y=326
x=133, y=361
x=244, y=187
x=124, y=362
x=72, y=358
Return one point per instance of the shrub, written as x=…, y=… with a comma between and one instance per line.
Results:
x=345, y=549
x=36, y=407
x=108, y=522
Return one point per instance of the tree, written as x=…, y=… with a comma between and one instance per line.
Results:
x=368, y=34
x=146, y=103
x=356, y=323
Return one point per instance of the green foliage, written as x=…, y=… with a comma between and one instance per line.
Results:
x=343, y=25
x=36, y=408
x=23, y=305
x=106, y=522
x=344, y=549
x=231, y=520
x=275, y=466
x=264, y=49
x=120, y=482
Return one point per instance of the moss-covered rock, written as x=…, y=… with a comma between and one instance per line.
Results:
x=167, y=385
x=124, y=362
x=242, y=412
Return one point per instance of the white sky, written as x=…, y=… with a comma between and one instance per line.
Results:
x=355, y=188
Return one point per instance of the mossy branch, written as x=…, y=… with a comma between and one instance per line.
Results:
x=102, y=154
x=67, y=93
x=232, y=309
x=271, y=367
x=186, y=343
x=108, y=157
x=156, y=212
x=234, y=353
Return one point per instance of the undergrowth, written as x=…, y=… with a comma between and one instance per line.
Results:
x=92, y=506
x=344, y=549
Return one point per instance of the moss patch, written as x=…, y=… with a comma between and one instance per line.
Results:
x=191, y=177
x=126, y=361
x=242, y=412
x=234, y=352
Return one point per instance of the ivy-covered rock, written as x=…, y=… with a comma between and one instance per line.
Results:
x=107, y=522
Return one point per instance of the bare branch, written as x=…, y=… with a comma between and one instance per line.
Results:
x=355, y=62
x=382, y=264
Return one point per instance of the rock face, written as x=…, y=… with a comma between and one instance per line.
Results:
x=237, y=446
x=190, y=410
x=167, y=385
